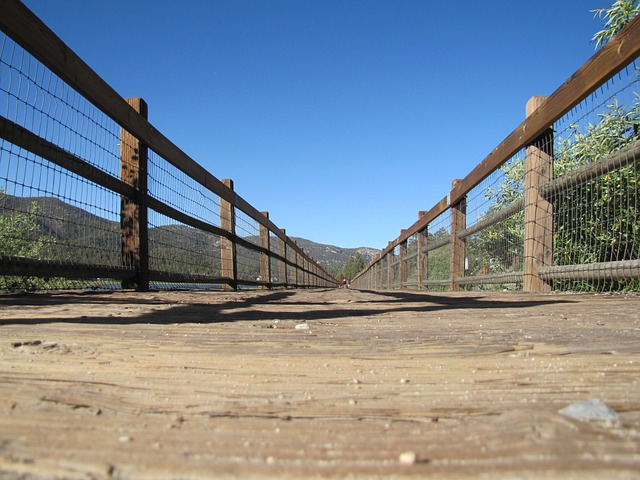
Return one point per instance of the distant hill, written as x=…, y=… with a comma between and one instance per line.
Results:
x=77, y=226
x=331, y=257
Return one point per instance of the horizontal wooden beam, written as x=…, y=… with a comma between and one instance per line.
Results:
x=23, y=138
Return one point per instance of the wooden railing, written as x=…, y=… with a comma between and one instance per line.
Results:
x=535, y=137
x=277, y=258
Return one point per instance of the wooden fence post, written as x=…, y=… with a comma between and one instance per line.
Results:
x=422, y=257
x=282, y=267
x=538, y=212
x=390, y=257
x=265, y=262
x=134, y=226
x=305, y=276
x=458, y=250
x=295, y=272
x=228, y=257
x=374, y=272
x=402, y=265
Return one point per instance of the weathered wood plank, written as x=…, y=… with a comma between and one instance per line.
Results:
x=223, y=384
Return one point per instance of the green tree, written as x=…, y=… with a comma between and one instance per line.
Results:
x=499, y=248
x=354, y=265
x=439, y=260
x=596, y=221
x=22, y=236
x=616, y=17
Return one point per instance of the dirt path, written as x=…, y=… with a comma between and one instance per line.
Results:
x=317, y=384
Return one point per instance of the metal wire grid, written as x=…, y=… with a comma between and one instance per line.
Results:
x=176, y=189
x=411, y=261
x=439, y=259
x=383, y=275
x=36, y=99
x=494, y=235
x=56, y=219
x=596, y=217
x=247, y=228
x=395, y=268
x=180, y=249
x=63, y=216
x=291, y=270
x=276, y=265
x=248, y=260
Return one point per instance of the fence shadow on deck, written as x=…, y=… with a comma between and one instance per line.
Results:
x=279, y=305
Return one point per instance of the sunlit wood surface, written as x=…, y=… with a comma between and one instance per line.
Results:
x=317, y=384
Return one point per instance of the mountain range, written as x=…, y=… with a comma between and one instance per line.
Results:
x=76, y=225
x=331, y=257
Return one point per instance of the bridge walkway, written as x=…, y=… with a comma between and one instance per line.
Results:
x=317, y=384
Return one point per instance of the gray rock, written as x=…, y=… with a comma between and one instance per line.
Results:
x=592, y=409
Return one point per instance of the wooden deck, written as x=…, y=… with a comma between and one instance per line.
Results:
x=317, y=384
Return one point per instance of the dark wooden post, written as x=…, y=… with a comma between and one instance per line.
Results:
x=458, y=250
x=134, y=228
x=306, y=276
x=228, y=246
x=422, y=256
x=538, y=212
x=402, y=265
x=374, y=272
x=265, y=263
x=282, y=268
x=390, y=272
x=294, y=273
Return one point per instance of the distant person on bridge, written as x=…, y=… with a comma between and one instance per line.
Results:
x=345, y=282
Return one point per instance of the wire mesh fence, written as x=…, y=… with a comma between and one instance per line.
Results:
x=494, y=235
x=596, y=216
x=48, y=212
x=438, y=252
x=558, y=209
x=92, y=196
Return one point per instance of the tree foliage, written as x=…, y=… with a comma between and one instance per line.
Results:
x=22, y=236
x=595, y=221
x=598, y=221
x=619, y=14
x=354, y=265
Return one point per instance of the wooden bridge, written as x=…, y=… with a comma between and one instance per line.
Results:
x=265, y=381
x=318, y=384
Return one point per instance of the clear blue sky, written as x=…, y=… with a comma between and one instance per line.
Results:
x=342, y=118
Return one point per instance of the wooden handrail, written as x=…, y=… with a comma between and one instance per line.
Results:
x=22, y=25
x=603, y=65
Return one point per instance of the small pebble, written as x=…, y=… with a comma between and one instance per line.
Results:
x=408, y=458
x=592, y=409
x=302, y=326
